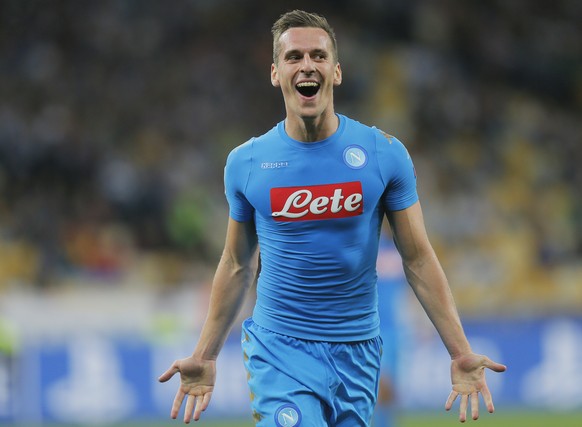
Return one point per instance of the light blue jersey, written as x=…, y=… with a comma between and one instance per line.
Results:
x=318, y=209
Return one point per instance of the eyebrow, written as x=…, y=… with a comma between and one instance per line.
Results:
x=311, y=52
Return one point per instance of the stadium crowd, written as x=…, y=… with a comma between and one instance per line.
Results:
x=116, y=118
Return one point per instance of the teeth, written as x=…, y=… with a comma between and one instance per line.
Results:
x=307, y=84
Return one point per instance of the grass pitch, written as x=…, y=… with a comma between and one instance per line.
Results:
x=501, y=418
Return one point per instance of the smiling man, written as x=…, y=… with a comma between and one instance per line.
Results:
x=306, y=68
x=312, y=193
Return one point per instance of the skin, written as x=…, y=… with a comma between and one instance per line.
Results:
x=429, y=283
x=234, y=275
x=306, y=55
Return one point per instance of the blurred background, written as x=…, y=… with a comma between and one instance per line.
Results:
x=116, y=118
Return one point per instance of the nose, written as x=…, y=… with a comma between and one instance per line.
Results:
x=307, y=64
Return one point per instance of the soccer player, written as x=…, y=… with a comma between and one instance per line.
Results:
x=311, y=194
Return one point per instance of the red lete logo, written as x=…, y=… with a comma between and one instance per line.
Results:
x=327, y=201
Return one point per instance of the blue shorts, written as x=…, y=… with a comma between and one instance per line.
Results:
x=299, y=383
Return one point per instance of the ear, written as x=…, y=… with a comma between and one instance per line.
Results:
x=274, y=76
x=337, y=75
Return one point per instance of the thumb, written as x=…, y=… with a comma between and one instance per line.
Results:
x=494, y=366
x=170, y=372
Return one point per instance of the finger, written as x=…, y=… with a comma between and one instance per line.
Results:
x=201, y=405
x=189, y=408
x=177, y=403
x=475, y=405
x=463, y=408
x=494, y=366
x=452, y=397
x=170, y=372
x=488, y=399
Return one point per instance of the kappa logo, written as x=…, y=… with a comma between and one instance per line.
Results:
x=288, y=416
x=274, y=165
x=313, y=202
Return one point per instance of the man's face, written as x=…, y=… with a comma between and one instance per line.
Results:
x=306, y=72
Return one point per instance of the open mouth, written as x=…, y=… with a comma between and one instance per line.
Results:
x=307, y=89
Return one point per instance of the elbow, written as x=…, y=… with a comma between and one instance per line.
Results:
x=418, y=255
x=420, y=264
x=240, y=268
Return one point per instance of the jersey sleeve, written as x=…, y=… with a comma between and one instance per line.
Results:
x=236, y=176
x=398, y=172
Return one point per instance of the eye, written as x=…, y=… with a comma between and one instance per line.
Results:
x=319, y=56
x=292, y=57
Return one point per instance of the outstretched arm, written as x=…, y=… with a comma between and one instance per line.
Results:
x=233, y=277
x=429, y=283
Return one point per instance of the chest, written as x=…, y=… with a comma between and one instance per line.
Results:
x=318, y=184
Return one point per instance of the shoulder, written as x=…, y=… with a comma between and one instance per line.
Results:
x=354, y=125
x=240, y=154
x=385, y=147
x=390, y=145
x=390, y=153
x=378, y=135
x=245, y=150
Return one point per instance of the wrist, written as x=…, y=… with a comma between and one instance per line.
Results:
x=201, y=355
x=460, y=353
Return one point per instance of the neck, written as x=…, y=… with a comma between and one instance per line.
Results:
x=311, y=129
